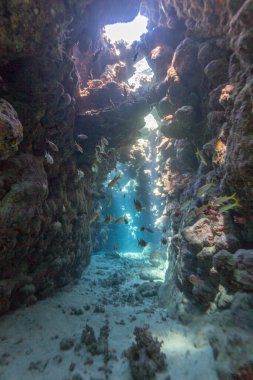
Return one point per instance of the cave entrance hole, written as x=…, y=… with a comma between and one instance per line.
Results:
x=128, y=32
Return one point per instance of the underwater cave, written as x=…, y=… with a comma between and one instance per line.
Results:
x=126, y=190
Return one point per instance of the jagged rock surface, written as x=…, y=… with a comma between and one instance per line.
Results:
x=48, y=191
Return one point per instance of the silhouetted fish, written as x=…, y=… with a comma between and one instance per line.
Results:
x=142, y=243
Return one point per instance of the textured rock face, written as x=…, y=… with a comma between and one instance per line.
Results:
x=205, y=108
x=48, y=191
x=235, y=270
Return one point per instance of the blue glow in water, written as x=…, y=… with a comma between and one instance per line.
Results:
x=119, y=201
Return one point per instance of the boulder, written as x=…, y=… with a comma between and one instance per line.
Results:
x=199, y=235
x=236, y=269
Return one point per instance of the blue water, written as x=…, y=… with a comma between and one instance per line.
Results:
x=124, y=236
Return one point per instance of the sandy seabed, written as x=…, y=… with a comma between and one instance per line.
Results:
x=31, y=339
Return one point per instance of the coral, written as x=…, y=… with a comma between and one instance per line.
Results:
x=11, y=130
x=144, y=356
x=245, y=372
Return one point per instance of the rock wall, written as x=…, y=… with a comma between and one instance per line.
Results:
x=48, y=190
x=202, y=57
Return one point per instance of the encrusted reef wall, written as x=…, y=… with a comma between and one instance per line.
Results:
x=201, y=53
x=50, y=169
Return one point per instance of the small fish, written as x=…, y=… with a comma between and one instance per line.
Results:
x=82, y=137
x=220, y=200
x=52, y=145
x=125, y=92
x=201, y=157
x=112, y=103
x=49, y=158
x=104, y=155
x=228, y=207
x=114, y=181
x=98, y=157
x=148, y=229
x=96, y=55
x=195, y=280
x=94, y=167
x=109, y=219
x=142, y=243
x=109, y=202
x=104, y=141
x=120, y=220
x=163, y=219
x=80, y=174
x=126, y=221
x=167, y=118
x=198, y=211
x=135, y=56
x=99, y=149
x=78, y=147
x=138, y=205
x=94, y=217
x=164, y=241
x=203, y=189
x=212, y=212
x=186, y=204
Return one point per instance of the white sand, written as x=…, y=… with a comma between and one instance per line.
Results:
x=30, y=337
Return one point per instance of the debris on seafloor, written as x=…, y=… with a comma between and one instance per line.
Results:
x=145, y=356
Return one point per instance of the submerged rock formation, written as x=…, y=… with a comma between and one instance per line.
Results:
x=205, y=103
x=47, y=184
x=66, y=112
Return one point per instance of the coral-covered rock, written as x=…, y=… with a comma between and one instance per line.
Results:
x=208, y=51
x=243, y=268
x=199, y=235
x=228, y=242
x=236, y=269
x=185, y=62
x=226, y=98
x=215, y=120
x=145, y=356
x=159, y=60
x=183, y=124
x=217, y=72
x=11, y=130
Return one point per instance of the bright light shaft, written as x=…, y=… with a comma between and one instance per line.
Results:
x=128, y=32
